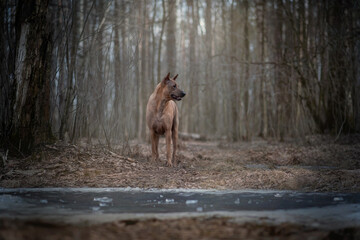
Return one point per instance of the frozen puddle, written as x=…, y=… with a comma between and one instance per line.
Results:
x=327, y=210
x=267, y=167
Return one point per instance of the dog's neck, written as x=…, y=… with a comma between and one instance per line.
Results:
x=160, y=102
x=160, y=106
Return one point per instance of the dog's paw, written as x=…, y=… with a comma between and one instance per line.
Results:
x=155, y=159
x=169, y=164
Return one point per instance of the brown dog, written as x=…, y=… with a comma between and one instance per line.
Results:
x=162, y=117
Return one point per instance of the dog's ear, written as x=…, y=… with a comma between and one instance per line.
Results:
x=167, y=78
x=175, y=76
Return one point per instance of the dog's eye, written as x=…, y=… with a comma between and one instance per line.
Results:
x=174, y=86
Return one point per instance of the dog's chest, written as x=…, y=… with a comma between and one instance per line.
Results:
x=159, y=126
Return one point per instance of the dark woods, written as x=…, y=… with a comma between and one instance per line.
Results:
x=269, y=68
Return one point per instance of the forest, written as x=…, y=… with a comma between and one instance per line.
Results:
x=264, y=68
x=269, y=129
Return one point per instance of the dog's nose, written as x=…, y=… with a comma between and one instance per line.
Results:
x=183, y=94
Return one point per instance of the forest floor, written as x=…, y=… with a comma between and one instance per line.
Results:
x=184, y=228
x=316, y=164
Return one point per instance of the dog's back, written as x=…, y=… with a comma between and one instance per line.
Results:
x=155, y=118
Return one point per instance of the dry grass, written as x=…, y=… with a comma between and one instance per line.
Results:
x=318, y=164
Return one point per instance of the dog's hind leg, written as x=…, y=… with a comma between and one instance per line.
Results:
x=174, y=130
x=157, y=148
x=168, y=147
x=154, y=146
x=174, y=141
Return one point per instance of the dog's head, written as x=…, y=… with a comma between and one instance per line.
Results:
x=171, y=88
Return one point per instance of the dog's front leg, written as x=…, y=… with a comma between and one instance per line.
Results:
x=168, y=147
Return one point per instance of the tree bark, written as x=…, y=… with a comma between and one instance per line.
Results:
x=263, y=102
x=160, y=41
x=247, y=74
x=171, y=38
x=31, y=123
x=209, y=102
x=234, y=130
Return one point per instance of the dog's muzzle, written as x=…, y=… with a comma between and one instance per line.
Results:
x=178, y=98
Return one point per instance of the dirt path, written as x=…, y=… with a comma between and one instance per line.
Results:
x=186, y=228
x=319, y=164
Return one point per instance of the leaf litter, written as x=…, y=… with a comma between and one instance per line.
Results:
x=316, y=165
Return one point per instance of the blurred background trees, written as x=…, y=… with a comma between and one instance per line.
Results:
x=269, y=68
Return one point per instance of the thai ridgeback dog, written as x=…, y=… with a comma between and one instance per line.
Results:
x=162, y=117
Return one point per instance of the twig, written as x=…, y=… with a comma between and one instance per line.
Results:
x=106, y=137
x=337, y=137
x=121, y=157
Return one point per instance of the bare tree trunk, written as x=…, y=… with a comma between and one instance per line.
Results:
x=280, y=118
x=31, y=123
x=337, y=117
x=152, y=66
x=171, y=38
x=246, y=77
x=125, y=73
x=262, y=96
x=71, y=66
x=193, y=116
x=117, y=118
x=234, y=99
x=99, y=69
x=355, y=24
x=209, y=102
x=7, y=69
x=227, y=118
x=160, y=41
x=144, y=76
x=82, y=122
